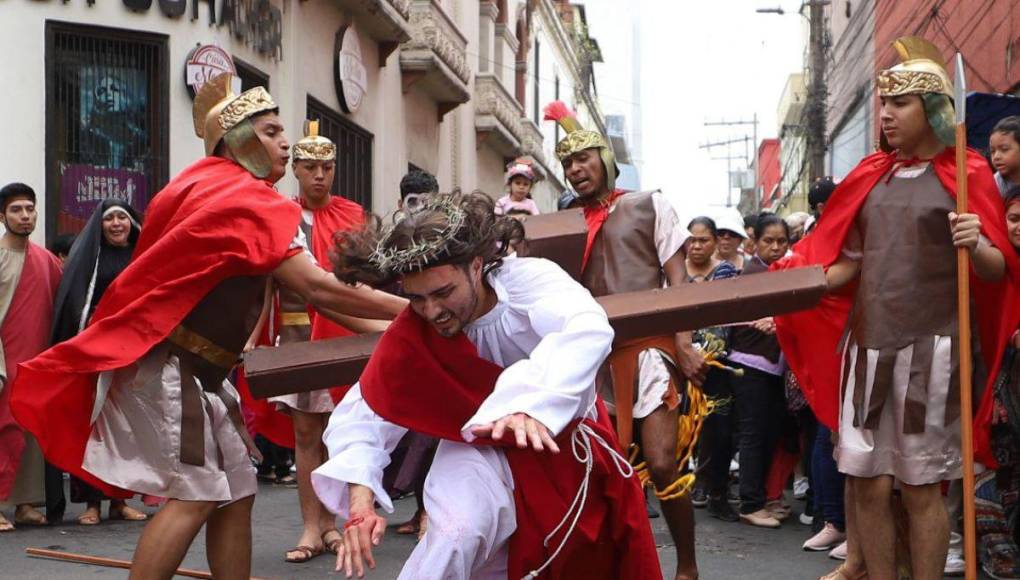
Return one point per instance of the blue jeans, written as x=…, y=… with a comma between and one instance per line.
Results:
x=827, y=481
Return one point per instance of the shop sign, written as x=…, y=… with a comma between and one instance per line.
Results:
x=256, y=22
x=205, y=62
x=349, y=71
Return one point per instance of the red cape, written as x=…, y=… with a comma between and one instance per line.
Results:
x=212, y=222
x=25, y=332
x=433, y=385
x=810, y=338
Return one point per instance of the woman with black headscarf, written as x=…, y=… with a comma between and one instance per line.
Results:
x=99, y=254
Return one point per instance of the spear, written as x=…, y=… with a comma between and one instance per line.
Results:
x=963, y=307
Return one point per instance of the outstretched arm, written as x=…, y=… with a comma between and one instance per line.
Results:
x=322, y=290
x=540, y=395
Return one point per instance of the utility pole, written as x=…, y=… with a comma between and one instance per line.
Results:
x=817, y=90
x=753, y=158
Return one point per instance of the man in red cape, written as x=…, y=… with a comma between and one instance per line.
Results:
x=138, y=401
x=29, y=276
x=877, y=358
x=497, y=358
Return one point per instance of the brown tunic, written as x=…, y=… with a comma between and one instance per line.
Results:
x=906, y=294
x=624, y=258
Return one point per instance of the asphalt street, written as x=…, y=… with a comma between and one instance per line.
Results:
x=725, y=550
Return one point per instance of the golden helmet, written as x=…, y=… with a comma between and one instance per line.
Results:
x=220, y=115
x=312, y=146
x=578, y=139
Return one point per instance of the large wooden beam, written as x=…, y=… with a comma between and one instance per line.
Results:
x=298, y=367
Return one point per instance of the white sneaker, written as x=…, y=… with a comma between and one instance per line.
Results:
x=839, y=552
x=955, y=565
x=800, y=488
x=826, y=539
x=806, y=519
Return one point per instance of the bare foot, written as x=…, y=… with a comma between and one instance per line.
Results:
x=5, y=524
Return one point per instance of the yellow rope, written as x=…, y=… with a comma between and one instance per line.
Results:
x=688, y=431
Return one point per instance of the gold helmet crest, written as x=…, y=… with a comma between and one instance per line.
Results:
x=220, y=115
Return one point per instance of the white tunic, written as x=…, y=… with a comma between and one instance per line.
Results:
x=550, y=336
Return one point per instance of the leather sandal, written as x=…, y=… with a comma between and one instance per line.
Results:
x=306, y=554
x=89, y=517
x=127, y=513
x=29, y=517
x=333, y=545
x=841, y=573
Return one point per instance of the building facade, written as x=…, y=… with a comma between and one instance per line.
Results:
x=100, y=91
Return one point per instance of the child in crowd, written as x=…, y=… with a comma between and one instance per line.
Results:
x=520, y=176
x=1004, y=148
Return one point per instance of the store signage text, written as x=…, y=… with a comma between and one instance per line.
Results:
x=256, y=22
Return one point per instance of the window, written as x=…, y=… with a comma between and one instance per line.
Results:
x=353, y=153
x=250, y=76
x=107, y=119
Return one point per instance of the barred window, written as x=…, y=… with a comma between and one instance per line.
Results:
x=107, y=112
x=353, y=153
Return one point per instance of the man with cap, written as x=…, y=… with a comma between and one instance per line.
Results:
x=322, y=216
x=889, y=242
x=635, y=242
x=29, y=276
x=153, y=362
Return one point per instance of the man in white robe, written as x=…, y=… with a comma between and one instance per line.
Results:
x=549, y=336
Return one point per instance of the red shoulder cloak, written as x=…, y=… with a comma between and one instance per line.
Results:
x=433, y=385
x=212, y=222
x=810, y=338
x=25, y=331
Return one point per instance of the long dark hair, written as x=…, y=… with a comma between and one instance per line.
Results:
x=481, y=234
x=767, y=220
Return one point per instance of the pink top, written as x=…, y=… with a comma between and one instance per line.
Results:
x=505, y=204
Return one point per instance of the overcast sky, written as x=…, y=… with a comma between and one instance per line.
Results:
x=699, y=61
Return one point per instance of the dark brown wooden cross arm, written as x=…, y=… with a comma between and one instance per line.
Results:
x=299, y=367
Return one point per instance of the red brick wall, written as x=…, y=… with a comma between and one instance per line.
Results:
x=985, y=31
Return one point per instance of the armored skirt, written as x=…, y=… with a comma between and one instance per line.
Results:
x=899, y=412
x=141, y=434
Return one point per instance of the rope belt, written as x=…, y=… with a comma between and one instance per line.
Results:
x=581, y=445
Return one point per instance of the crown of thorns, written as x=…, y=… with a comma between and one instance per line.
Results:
x=420, y=253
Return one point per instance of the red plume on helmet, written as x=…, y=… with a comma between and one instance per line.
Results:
x=559, y=111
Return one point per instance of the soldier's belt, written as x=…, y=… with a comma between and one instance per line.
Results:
x=295, y=319
x=203, y=348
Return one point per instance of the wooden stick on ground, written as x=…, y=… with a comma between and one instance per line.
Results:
x=108, y=562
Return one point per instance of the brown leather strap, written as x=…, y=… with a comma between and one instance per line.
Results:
x=203, y=347
x=860, y=384
x=916, y=404
x=192, y=417
x=881, y=385
x=234, y=412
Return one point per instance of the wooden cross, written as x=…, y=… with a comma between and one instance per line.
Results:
x=299, y=367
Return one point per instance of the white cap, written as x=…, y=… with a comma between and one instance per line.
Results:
x=729, y=218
